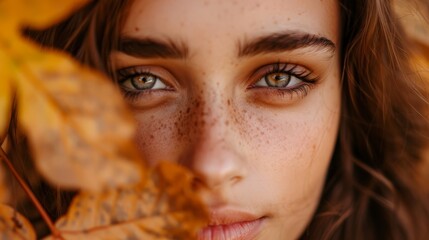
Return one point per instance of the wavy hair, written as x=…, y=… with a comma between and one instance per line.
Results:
x=375, y=187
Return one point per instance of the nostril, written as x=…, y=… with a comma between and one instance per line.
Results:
x=235, y=179
x=199, y=183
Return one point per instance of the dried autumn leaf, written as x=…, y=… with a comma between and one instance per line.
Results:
x=77, y=123
x=14, y=226
x=5, y=98
x=80, y=131
x=164, y=207
x=36, y=13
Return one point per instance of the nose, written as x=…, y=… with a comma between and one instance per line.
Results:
x=215, y=165
x=213, y=154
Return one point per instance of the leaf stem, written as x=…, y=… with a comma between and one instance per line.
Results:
x=55, y=232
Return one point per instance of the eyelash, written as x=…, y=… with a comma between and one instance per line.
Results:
x=292, y=70
x=131, y=72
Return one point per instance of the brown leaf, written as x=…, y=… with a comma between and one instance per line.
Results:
x=13, y=225
x=38, y=13
x=165, y=207
x=5, y=98
x=79, y=128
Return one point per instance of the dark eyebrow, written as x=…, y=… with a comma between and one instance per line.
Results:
x=287, y=41
x=152, y=48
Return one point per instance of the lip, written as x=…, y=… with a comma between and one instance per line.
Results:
x=231, y=225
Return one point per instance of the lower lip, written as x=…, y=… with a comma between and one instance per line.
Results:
x=234, y=231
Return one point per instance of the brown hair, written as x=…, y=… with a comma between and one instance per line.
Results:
x=375, y=187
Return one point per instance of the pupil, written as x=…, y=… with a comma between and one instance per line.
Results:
x=143, y=82
x=278, y=80
x=278, y=77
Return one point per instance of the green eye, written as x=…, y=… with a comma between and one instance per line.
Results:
x=143, y=81
x=279, y=80
x=282, y=76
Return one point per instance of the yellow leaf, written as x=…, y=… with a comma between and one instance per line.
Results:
x=37, y=13
x=5, y=100
x=79, y=128
x=165, y=207
x=13, y=225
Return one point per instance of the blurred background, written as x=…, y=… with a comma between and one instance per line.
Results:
x=415, y=17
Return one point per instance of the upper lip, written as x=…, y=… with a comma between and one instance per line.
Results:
x=229, y=216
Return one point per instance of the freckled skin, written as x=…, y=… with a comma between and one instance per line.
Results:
x=259, y=153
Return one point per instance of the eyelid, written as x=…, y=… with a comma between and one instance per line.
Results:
x=162, y=91
x=161, y=73
x=135, y=70
x=295, y=70
x=302, y=81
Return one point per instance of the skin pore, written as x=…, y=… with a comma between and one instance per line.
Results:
x=246, y=94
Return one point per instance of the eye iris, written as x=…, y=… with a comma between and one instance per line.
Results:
x=277, y=79
x=143, y=81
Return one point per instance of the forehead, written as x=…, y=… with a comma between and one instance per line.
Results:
x=221, y=20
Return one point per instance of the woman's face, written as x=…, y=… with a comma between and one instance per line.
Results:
x=246, y=94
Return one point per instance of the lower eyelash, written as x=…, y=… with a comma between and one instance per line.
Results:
x=135, y=96
x=301, y=91
x=131, y=95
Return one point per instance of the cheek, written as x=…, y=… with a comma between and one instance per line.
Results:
x=288, y=140
x=291, y=151
x=157, y=134
x=166, y=133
